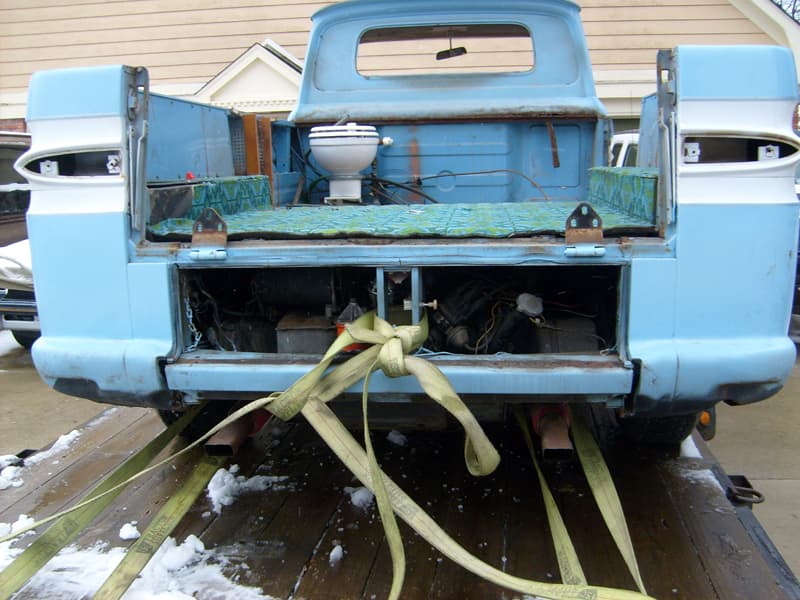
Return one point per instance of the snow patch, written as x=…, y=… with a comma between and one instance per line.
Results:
x=336, y=555
x=176, y=571
x=10, y=477
x=689, y=449
x=7, y=343
x=7, y=551
x=7, y=460
x=360, y=497
x=225, y=486
x=702, y=476
x=129, y=532
x=397, y=438
x=60, y=446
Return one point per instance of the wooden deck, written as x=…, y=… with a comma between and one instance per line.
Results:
x=689, y=542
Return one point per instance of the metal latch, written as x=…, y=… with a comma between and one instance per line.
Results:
x=209, y=237
x=584, y=229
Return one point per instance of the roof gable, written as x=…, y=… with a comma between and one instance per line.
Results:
x=264, y=78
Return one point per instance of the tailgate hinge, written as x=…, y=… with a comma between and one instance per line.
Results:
x=209, y=237
x=583, y=230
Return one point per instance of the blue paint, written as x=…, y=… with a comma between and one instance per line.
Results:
x=704, y=302
x=560, y=82
x=735, y=72
x=186, y=137
x=72, y=93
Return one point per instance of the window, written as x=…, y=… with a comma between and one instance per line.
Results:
x=445, y=49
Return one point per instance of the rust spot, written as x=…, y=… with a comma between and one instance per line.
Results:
x=414, y=166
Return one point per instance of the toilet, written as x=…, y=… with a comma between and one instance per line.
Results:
x=344, y=151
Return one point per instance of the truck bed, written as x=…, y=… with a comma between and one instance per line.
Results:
x=623, y=198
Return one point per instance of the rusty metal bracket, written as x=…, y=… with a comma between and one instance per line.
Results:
x=209, y=237
x=583, y=225
x=209, y=230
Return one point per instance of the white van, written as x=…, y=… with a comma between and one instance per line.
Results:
x=624, y=149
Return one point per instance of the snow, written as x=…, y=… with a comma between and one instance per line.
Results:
x=7, y=551
x=689, y=449
x=397, y=438
x=11, y=474
x=129, y=532
x=176, y=571
x=360, y=497
x=336, y=555
x=702, y=476
x=10, y=477
x=60, y=446
x=225, y=486
x=7, y=343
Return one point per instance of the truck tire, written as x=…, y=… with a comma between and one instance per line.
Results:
x=212, y=413
x=660, y=431
x=25, y=338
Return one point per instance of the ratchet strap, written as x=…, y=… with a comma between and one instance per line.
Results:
x=142, y=550
x=605, y=495
x=69, y=523
x=390, y=351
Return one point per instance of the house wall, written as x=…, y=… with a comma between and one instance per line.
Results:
x=184, y=43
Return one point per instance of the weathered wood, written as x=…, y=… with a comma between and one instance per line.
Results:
x=688, y=539
x=100, y=449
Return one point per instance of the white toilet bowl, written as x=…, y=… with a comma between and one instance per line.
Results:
x=343, y=151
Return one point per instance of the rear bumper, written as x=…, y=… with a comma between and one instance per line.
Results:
x=215, y=374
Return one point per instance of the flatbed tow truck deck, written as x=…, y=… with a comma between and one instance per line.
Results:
x=691, y=541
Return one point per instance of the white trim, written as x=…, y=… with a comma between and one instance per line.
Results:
x=774, y=22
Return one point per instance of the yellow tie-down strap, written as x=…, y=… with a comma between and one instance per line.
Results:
x=390, y=350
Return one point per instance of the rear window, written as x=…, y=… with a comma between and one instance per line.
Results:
x=445, y=49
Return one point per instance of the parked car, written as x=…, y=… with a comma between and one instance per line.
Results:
x=17, y=302
x=624, y=149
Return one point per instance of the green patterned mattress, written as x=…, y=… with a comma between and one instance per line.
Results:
x=624, y=199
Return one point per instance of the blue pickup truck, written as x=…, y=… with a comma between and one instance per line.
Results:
x=420, y=179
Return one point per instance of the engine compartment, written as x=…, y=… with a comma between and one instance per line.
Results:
x=470, y=310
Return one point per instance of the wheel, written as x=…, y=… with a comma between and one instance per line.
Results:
x=25, y=338
x=211, y=414
x=669, y=430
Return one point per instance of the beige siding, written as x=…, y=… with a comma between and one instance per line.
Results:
x=627, y=34
x=189, y=41
x=179, y=40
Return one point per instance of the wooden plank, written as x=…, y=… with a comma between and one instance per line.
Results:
x=251, y=146
x=264, y=154
x=724, y=550
x=49, y=488
x=687, y=538
x=427, y=468
x=280, y=530
x=664, y=550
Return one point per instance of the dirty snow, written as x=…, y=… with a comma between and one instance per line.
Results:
x=10, y=476
x=689, y=449
x=7, y=550
x=397, y=438
x=176, y=571
x=60, y=446
x=129, y=531
x=8, y=343
x=336, y=554
x=225, y=486
x=360, y=497
x=702, y=476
